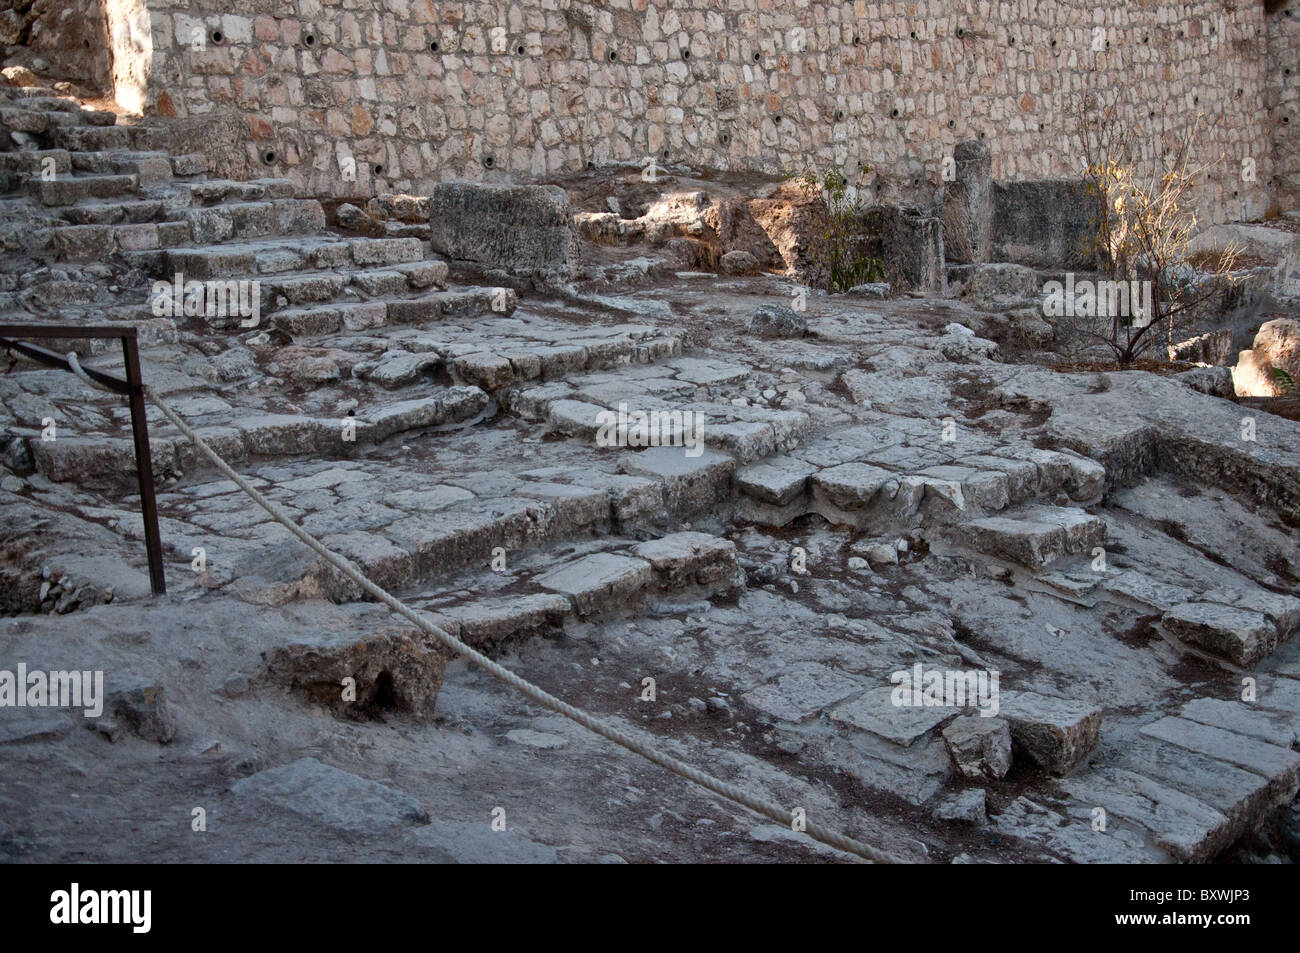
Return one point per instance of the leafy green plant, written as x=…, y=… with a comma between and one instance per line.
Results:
x=1283, y=381
x=840, y=249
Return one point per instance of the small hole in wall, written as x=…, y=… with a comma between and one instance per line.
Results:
x=379, y=170
x=894, y=112
x=520, y=49
x=86, y=44
x=839, y=115
x=1053, y=43
x=268, y=157
x=1286, y=120
x=1146, y=39
x=725, y=138
x=757, y=56
x=591, y=164
x=1195, y=100
x=1239, y=92
x=913, y=34
x=216, y=36
x=961, y=31
x=309, y=39
x=1011, y=41
x=686, y=54
x=857, y=41
x=488, y=162
x=433, y=46
x=981, y=133
x=952, y=123
x=613, y=55
x=776, y=119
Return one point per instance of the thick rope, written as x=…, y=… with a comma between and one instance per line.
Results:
x=591, y=723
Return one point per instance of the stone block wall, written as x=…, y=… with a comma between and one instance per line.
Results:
x=360, y=96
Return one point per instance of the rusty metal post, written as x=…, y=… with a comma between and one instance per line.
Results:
x=143, y=463
x=132, y=388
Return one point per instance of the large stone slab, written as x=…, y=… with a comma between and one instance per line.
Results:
x=1271, y=761
x=803, y=690
x=1239, y=635
x=329, y=796
x=524, y=229
x=875, y=712
x=1191, y=831
x=599, y=581
x=1056, y=733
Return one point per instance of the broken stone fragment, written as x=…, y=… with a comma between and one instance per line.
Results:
x=738, y=263
x=141, y=706
x=392, y=668
x=967, y=807
x=980, y=747
x=1239, y=635
x=1057, y=734
x=683, y=559
x=777, y=321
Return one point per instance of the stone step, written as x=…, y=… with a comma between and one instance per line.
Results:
x=1035, y=536
x=1240, y=635
x=150, y=168
x=210, y=191
x=68, y=190
x=502, y=362
x=615, y=580
x=33, y=162
x=107, y=138
x=106, y=461
x=1244, y=798
x=114, y=212
x=306, y=267
x=192, y=163
x=878, y=480
x=1181, y=824
x=163, y=228
x=408, y=532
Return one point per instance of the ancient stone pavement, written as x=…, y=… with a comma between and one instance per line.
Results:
x=879, y=494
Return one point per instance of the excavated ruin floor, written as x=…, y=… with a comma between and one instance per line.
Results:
x=889, y=489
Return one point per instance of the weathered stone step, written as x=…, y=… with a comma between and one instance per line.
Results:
x=107, y=138
x=110, y=461
x=70, y=189
x=1190, y=830
x=304, y=267
x=502, y=362
x=617, y=579
x=211, y=191
x=881, y=479
x=33, y=162
x=1244, y=798
x=1035, y=536
x=1240, y=635
x=150, y=168
x=114, y=212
